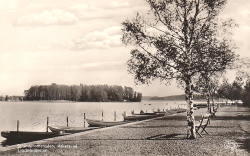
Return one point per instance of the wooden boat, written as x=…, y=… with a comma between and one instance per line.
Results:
x=100, y=123
x=142, y=113
x=146, y=113
x=160, y=112
x=179, y=110
x=70, y=129
x=28, y=135
x=140, y=117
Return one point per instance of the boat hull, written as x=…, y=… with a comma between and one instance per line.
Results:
x=99, y=123
x=26, y=135
x=141, y=117
x=70, y=129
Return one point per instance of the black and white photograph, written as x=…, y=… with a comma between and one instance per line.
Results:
x=125, y=77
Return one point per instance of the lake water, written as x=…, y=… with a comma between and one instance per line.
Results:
x=32, y=116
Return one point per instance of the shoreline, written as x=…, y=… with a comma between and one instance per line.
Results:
x=160, y=136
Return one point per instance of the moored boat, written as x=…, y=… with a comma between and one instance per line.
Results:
x=29, y=135
x=100, y=123
x=70, y=129
x=145, y=114
x=140, y=117
x=179, y=110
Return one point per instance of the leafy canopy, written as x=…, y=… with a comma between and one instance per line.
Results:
x=178, y=39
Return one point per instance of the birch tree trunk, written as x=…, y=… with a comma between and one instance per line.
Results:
x=190, y=109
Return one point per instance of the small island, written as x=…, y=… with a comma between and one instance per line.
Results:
x=82, y=93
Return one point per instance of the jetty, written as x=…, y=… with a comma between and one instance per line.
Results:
x=229, y=134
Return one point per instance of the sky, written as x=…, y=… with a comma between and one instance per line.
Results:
x=79, y=41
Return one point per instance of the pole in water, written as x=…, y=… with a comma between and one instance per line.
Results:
x=115, y=116
x=84, y=119
x=17, y=127
x=47, y=128
x=102, y=115
x=67, y=121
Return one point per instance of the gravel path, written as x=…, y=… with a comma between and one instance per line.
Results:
x=229, y=135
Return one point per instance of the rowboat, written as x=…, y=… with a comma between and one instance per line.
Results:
x=146, y=114
x=70, y=129
x=142, y=113
x=140, y=117
x=160, y=112
x=28, y=135
x=100, y=123
x=179, y=110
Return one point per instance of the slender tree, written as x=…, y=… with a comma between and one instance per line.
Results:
x=179, y=39
x=208, y=85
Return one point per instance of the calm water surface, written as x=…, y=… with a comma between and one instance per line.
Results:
x=32, y=116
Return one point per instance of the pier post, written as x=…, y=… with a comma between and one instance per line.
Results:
x=17, y=127
x=102, y=115
x=67, y=121
x=115, y=116
x=47, y=128
x=84, y=119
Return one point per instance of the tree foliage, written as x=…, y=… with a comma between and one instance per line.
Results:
x=179, y=39
x=246, y=94
x=232, y=91
x=92, y=93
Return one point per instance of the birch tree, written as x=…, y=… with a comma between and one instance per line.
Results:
x=208, y=84
x=178, y=39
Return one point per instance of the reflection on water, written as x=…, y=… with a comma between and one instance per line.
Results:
x=32, y=116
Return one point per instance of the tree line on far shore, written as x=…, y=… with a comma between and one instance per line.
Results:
x=83, y=93
x=11, y=98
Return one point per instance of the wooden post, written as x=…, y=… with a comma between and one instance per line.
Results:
x=67, y=121
x=115, y=116
x=17, y=127
x=84, y=119
x=47, y=128
x=102, y=115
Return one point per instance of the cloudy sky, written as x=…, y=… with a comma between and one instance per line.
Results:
x=78, y=41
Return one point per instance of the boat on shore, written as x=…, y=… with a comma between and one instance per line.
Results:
x=145, y=114
x=70, y=129
x=142, y=113
x=29, y=135
x=179, y=110
x=100, y=123
x=141, y=117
